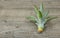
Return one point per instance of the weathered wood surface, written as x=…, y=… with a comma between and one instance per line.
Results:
x=13, y=23
x=28, y=3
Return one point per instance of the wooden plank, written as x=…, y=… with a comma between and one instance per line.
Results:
x=48, y=4
x=15, y=13
x=9, y=4
x=28, y=3
x=49, y=0
x=15, y=4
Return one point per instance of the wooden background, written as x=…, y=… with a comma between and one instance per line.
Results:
x=13, y=23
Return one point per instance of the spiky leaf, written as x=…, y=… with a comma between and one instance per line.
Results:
x=50, y=18
x=32, y=18
x=45, y=14
x=41, y=8
x=39, y=14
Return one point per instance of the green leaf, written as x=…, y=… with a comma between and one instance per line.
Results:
x=39, y=14
x=50, y=18
x=41, y=8
x=46, y=14
x=32, y=18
